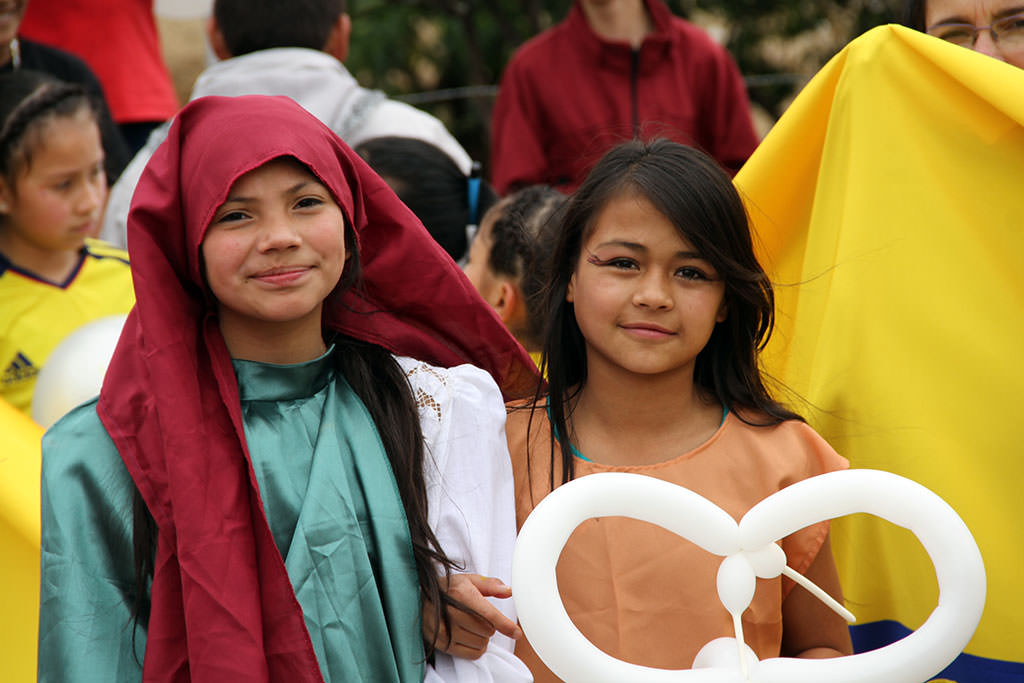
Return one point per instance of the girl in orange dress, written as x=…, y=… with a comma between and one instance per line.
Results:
x=657, y=309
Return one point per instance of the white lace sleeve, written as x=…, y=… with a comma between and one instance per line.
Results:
x=471, y=507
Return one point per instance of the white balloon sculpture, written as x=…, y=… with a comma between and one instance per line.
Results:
x=750, y=550
x=73, y=372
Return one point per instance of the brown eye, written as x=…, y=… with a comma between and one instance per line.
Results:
x=691, y=273
x=308, y=202
x=1010, y=31
x=958, y=35
x=231, y=216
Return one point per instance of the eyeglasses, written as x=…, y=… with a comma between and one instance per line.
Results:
x=1007, y=32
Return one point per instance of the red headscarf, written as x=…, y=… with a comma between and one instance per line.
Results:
x=222, y=605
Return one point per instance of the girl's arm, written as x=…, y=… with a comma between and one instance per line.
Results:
x=87, y=569
x=470, y=501
x=809, y=628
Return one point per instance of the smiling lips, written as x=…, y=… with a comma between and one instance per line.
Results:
x=648, y=330
x=284, y=275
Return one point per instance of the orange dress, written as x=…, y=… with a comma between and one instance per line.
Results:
x=645, y=595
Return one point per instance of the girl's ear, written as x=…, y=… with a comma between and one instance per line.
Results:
x=570, y=290
x=509, y=304
x=338, y=39
x=6, y=197
x=217, y=43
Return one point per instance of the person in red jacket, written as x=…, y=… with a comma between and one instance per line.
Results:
x=119, y=41
x=611, y=71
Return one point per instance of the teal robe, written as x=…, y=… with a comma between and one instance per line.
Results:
x=333, y=508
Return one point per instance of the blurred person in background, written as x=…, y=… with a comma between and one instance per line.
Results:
x=268, y=47
x=993, y=28
x=17, y=52
x=119, y=40
x=614, y=70
x=507, y=260
x=427, y=180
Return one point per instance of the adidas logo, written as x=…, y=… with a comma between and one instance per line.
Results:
x=19, y=370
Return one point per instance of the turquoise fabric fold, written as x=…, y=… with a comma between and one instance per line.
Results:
x=333, y=506
x=337, y=519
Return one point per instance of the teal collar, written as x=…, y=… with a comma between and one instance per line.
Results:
x=270, y=382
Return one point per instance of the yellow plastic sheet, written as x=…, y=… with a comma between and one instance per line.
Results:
x=19, y=543
x=887, y=203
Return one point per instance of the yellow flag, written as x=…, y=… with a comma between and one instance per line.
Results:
x=19, y=543
x=887, y=203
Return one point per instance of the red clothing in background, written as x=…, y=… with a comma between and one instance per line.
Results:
x=118, y=39
x=568, y=95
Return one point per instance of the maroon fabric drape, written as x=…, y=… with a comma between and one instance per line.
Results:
x=222, y=605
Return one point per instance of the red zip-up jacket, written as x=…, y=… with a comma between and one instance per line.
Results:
x=568, y=95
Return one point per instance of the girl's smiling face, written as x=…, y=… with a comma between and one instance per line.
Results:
x=645, y=301
x=275, y=249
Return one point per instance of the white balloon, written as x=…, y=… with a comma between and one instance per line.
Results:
x=720, y=653
x=748, y=549
x=73, y=373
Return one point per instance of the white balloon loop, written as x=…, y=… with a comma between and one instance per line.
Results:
x=750, y=550
x=73, y=372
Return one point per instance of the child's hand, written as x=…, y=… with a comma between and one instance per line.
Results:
x=470, y=633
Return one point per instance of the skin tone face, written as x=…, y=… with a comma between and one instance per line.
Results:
x=501, y=291
x=56, y=202
x=11, y=12
x=977, y=13
x=645, y=301
x=273, y=252
x=625, y=21
x=477, y=267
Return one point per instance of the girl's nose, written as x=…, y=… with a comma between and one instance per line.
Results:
x=92, y=197
x=279, y=233
x=652, y=292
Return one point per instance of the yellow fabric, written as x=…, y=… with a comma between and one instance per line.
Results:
x=886, y=203
x=19, y=543
x=36, y=315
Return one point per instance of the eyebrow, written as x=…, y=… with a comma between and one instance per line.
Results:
x=291, y=190
x=959, y=19
x=1008, y=12
x=71, y=170
x=634, y=246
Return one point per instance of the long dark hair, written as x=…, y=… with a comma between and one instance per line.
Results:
x=913, y=14
x=380, y=383
x=696, y=195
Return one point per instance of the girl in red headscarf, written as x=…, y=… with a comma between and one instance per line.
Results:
x=294, y=408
